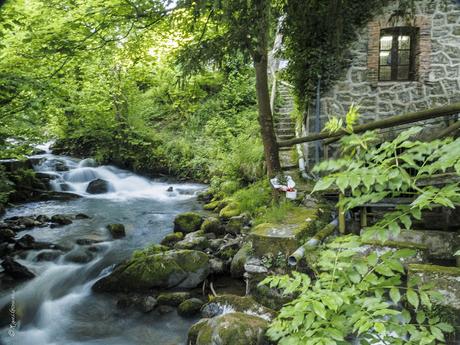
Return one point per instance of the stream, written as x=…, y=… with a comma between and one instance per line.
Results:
x=58, y=307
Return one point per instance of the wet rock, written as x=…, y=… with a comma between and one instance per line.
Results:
x=194, y=240
x=82, y=216
x=170, y=189
x=188, y=222
x=205, y=196
x=98, y=186
x=212, y=225
x=65, y=187
x=117, y=230
x=79, y=255
x=48, y=255
x=61, y=219
x=88, y=163
x=229, y=303
x=173, y=298
x=12, y=165
x=229, y=249
x=144, y=304
x=174, y=268
x=190, y=307
x=6, y=235
x=216, y=243
x=16, y=270
x=165, y=309
x=235, y=224
x=28, y=242
x=4, y=249
x=230, y=329
x=239, y=260
x=43, y=218
x=20, y=223
x=172, y=238
x=89, y=240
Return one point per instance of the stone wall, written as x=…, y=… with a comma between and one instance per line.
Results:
x=437, y=80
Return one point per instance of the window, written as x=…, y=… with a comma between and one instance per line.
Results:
x=397, y=54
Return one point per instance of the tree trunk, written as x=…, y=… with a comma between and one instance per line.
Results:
x=260, y=58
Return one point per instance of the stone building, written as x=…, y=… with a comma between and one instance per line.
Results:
x=399, y=67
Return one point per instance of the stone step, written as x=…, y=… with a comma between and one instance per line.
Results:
x=285, y=136
x=289, y=131
x=284, y=148
x=444, y=279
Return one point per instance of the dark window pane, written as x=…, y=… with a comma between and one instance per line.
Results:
x=386, y=42
x=403, y=72
x=385, y=58
x=385, y=73
x=403, y=57
x=404, y=42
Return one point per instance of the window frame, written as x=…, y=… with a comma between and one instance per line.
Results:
x=395, y=32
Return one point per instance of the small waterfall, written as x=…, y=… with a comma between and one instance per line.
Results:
x=57, y=307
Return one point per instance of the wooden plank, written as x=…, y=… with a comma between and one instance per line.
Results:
x=392, y=121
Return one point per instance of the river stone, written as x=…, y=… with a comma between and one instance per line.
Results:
x=232, y=303
x=230, y=329
x=6, y=234
x=188, y=222
x=170, y=239
x=175, y=268
x=212, y=225
x=98, y=186
x=79, y=255
x=194, y=240
x=48, y=255
x=16, y=270
x=27, y=242
x=190, y=307
x=218, y=266
x=117, y=230
x=239, y=260
x=173, y=298
x=61, y=219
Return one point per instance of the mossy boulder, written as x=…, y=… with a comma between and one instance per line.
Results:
x=188, y=222
x=194, y=240
x=190, y=307
x=212, y=225
x=117, y=230
x=173, y=298
x=175, y=268
x=235, y=224
x=284, y=237
x=240, y=258
x=231, y=210
x=234, y=303
x=230, y=329
x=172, y=238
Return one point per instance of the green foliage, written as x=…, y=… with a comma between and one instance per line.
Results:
x=354, y=295
x=254, y=199
x=6, y=186
x=369, y=172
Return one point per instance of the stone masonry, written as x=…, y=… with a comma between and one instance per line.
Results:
x=437, y=68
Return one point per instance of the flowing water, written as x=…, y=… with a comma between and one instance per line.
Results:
x=58, y=307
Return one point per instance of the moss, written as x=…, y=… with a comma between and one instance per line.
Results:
x=211, y=206
x=241, y=304
x=212, y=225
x=227, y=253
x=173, y=298
x=194, y=330
x=453, y=271
x=190, y=307
x=397, y=244
x=172, y=238
x=188, y=222
x=231, y=210
x=239, y=259
x=150, y=250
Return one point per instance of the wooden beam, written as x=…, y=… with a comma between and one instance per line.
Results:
x=392, y=121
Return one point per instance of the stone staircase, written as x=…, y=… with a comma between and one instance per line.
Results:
x=284, y=125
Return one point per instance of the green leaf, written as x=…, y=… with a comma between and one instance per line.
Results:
x=445, y=327
x=379, y=327
x=412, y=298
x=319, y=309
x=342, y=182
x=420, y=317
x=395, y=295
x=323, y=184
x=437, y=333
x=405, y=219
x=372, y=259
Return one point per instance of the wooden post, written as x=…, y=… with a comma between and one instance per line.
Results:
x=363, y=217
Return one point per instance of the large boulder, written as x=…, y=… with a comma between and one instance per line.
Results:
x=190, y=307
x=188, y=222
x=229, y=329
x=98, y=186
x=229, y=211
x=170, y=239
x=175, y=268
